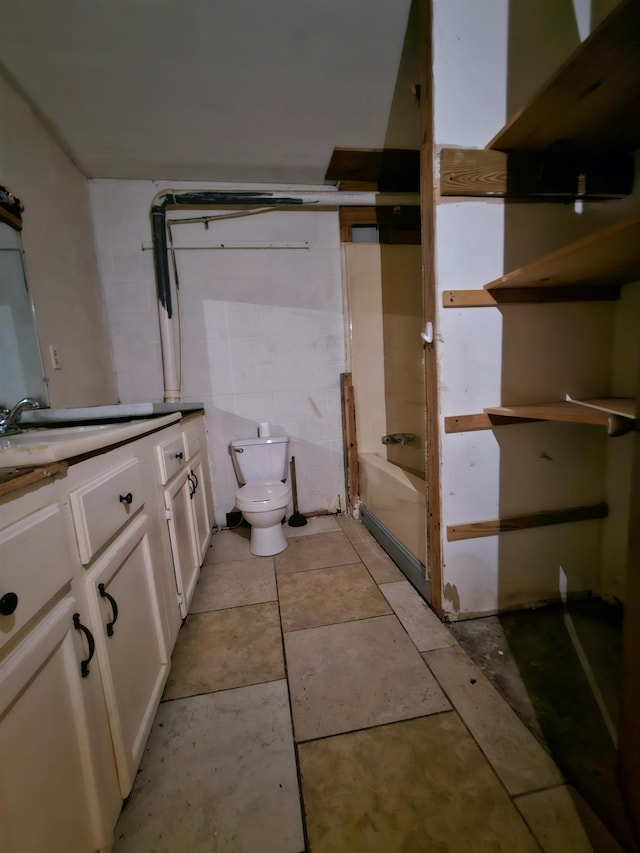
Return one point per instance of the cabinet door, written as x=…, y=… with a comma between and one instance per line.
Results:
x=200, y=507
x=48, y=792
x=182, y=534
x=129, y=643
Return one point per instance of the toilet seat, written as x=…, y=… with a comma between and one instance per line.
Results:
x=257, y=496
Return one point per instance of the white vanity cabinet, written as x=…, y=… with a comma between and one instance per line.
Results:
x=89, y=612
x=194, y=448
x=112, y=509
x=58, y=788
x=187, y=503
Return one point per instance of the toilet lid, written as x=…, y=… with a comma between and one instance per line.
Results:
x=263, y=491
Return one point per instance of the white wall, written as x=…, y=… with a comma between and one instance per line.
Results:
x=263, y=329
x=516, y=354
x=59, y=256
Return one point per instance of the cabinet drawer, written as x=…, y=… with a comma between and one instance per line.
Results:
x=104, y=505
x=191, y=436
x=34, y=566
x=171, y=455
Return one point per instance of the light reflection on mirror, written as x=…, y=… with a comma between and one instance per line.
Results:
x=21, y=367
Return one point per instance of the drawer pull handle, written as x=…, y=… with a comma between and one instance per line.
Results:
x=126, y=499
x=8, y=603
x=192, y=486
x=179, y=455
x=195, y=484
x=84, y=664
x=114, y=607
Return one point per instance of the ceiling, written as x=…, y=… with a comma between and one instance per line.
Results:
x=215, y=90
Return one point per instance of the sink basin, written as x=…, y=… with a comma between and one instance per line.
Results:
x=42, y=446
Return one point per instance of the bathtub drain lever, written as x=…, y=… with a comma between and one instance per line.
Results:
x=398, y=438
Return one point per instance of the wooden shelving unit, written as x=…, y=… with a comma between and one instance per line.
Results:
x=609, y=257
x=592, y=103
x=616, y=414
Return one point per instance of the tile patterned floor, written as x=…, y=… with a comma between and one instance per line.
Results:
x=315, y=703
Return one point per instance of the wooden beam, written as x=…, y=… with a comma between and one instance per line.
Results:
x=14, y=221
x=387, y=169
x=544, y=518
x=428, y=203
x=593, y=101
x=528, y=296
x=482, y=173
x=480, y=420
x=350, y=439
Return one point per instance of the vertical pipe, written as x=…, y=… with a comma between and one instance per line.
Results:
x=165, y=313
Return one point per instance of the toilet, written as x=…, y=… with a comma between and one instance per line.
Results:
x=261, y=465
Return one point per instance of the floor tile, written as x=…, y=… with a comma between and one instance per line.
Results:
x=555, y=821
x=356, y=674
x=516, y=756
x=315, y=552
x=229, y=545
x=236, y=583
x=420, y=785
x=381, y=566
x=226, y=648
x=315, y=524
x=218, y=774
x=419, y=621
x=327, y=596
x=352, y=529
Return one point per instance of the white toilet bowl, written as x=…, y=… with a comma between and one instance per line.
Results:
x=264, y=506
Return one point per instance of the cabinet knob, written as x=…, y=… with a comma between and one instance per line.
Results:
x=126, y=499
x=179, y=455
x=8, y=603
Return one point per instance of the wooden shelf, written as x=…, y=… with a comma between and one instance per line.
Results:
x=606, y=258
x=616, y=414
x=592, y=103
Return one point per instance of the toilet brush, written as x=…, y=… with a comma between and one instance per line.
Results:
x=297, y=519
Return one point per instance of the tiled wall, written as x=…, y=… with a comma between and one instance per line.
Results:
x=263, y=329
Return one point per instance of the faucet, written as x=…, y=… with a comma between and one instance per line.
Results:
x=398, y=438
x=9, y=417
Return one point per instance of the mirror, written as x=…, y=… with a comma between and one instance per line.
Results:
x=21, y=367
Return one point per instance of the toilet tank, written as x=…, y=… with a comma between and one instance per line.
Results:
x=261, y=460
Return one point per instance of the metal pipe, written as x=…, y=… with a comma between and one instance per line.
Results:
x=299, y=199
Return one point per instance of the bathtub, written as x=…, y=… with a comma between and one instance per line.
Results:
x=397, y=499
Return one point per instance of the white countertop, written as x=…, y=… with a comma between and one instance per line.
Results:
x=116, y=411
x=45, y=445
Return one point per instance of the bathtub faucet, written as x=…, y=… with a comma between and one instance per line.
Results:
x=398, y=438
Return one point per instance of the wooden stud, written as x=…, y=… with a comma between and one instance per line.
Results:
x=528, y=296
x=384, y=169
x=427, y=195
x=350, y=439
x=544, y=518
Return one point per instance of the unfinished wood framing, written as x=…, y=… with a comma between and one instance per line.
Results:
x=432, y=431
x=593, y=101
x=507, y=524
x=528, y=295
x=483, y=173
x=479, y=421
x=610, y=256
x=350, y=439
x=383, y=169
x=14, y=221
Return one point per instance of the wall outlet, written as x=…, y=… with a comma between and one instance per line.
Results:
x=54, y=357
